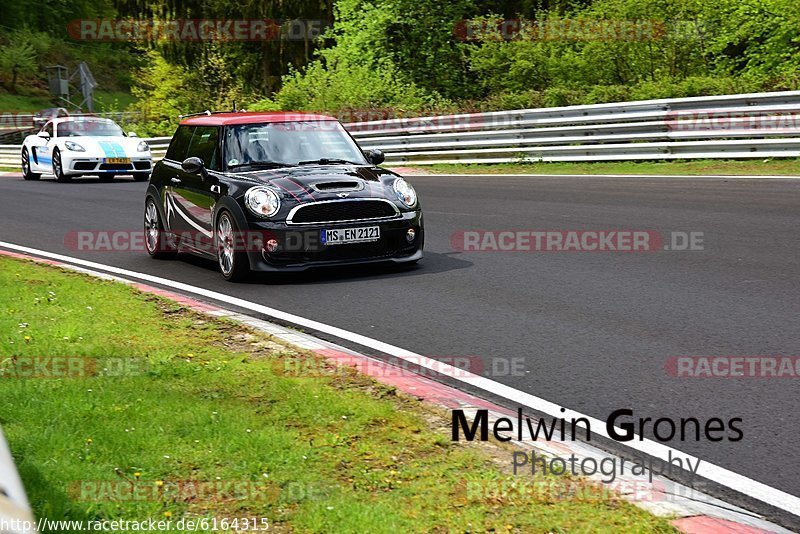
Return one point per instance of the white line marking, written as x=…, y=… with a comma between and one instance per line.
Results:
x=720, y=475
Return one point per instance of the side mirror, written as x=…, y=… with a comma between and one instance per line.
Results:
x=132, y=134
x=193, y=165
x=43, y=135
x=375, y=156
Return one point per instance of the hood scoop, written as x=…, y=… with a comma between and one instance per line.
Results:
x=339, y=185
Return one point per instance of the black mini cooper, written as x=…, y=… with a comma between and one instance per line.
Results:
x=277, y=192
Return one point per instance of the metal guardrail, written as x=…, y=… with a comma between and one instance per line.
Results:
x=759, y=125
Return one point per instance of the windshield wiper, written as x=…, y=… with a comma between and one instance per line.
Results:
x=327, y=161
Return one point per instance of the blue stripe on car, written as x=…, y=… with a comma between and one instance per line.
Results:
x=111, y=149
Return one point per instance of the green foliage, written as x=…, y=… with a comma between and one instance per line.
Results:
x=674, y=48
x=411, y=56
x=391, y=53
x=51, y=16
x=352, y=86
x=163, y=92
x=17, y=59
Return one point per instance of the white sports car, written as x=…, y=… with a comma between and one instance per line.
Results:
x=74, y=146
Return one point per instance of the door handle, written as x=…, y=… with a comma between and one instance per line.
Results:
x=175, y=180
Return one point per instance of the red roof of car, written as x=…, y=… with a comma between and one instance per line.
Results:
x=224, y=119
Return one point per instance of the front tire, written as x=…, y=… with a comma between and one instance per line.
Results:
x=233, y=263
x=58, y=167
x=155, y=239
x=26, y=166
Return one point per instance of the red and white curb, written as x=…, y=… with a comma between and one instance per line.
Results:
x=693, y=512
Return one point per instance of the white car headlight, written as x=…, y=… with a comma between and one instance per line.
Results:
x=75, y=147
x=405, y=193
x=143, y=147
x=262, y=201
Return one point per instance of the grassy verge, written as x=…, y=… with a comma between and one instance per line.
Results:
x=24, y=103
x=113, y=100
x=9, y=169
x=103, y=101
x=204, y=418
x=790, y=167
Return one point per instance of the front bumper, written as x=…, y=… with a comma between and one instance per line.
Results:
x=300, y=248
x=90, y=165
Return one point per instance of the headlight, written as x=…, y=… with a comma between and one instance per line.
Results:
x=405, y=193
x=143, y=147
x=262, y=201
x=75, y=147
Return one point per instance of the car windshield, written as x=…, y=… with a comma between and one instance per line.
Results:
x=89, y=128
x=290, y=143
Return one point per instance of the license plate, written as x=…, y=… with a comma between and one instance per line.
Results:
x=117, y=161
x=343, y=236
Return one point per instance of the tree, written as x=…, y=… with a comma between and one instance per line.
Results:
x=17, y=59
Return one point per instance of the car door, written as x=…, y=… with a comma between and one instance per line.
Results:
x=195, y=194
x=170, y=174
x=42, y=154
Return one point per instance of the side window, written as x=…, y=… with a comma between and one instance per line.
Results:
x=49, y=129
x=204, y=146
x=179, y=146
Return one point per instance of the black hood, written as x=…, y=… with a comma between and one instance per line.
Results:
x=307, y=183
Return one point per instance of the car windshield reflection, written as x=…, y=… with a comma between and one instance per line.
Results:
x=89, y=129
x=290, y=143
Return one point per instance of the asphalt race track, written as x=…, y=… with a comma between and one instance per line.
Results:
x=595, y=329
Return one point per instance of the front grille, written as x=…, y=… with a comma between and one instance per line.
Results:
x=344, y=210
x=84, y=165
x=392, y=244
x=115, y=167
x=142, y=165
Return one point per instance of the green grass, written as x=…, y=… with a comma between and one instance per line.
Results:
x=790, y=167
x=112, y=100
x=29, y=104
x=103, y=101
x=210, y=401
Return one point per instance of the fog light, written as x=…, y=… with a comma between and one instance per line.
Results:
x=411, y=234
x=272, y=245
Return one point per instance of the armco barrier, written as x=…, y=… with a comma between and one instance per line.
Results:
x=732, y=126
x=759, y=125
